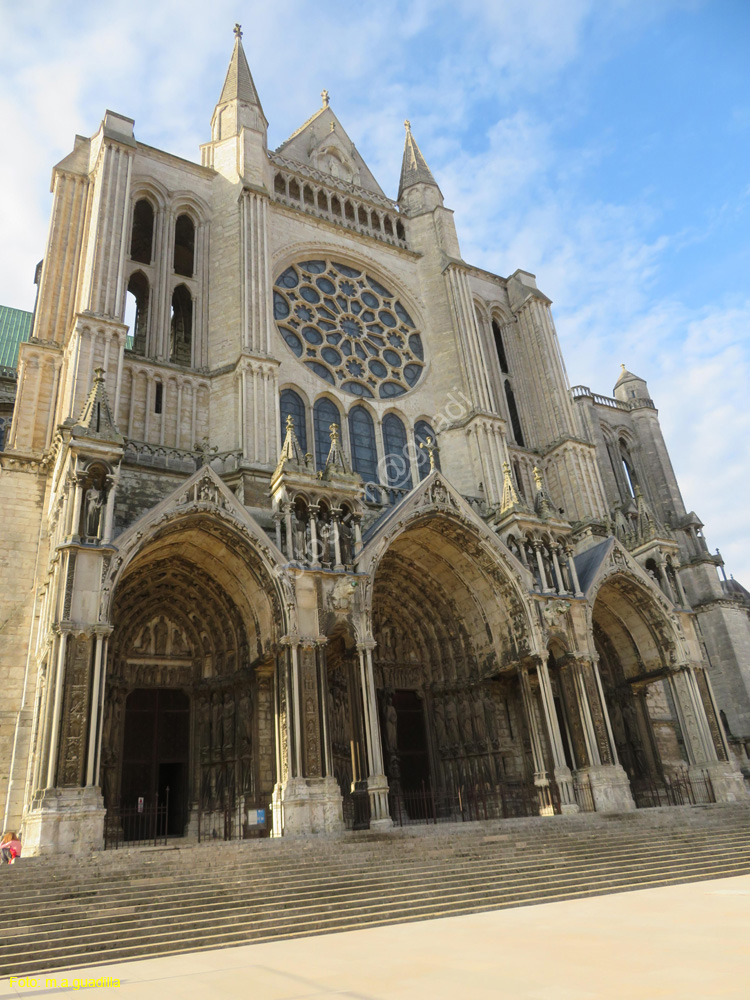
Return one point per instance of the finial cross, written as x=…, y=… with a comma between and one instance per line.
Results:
x=407, y=125
x=430, y=447
x=334, y=431
x=238, y=31
x=289, y=423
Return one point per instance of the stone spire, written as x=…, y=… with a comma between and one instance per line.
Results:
x=96, y=418
x=291, y=450
x=647, y=525
x=336, y=466
x=511, y=499
x=239, y=105
x=414, y=169
x=543, y=502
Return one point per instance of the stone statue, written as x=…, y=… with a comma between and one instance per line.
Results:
x=451, y=721
x=324, y=537
x=300, y=537
x=477, y=706
x=439, y=717
x=465, y=717
x=345, y=541
x=391, y=727
x=94, y=500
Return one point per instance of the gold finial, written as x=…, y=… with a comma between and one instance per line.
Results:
x=407, y=125
x=506, y=470
x=334, y=432
x=326, y=98
x=430, y=447
x=538, y=478
x=238, y=31
x=98, y=374
x=289, y=423
x=623, y=366
x=333, y=127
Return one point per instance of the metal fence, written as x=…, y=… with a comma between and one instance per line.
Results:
x=471, y=803
x=135, y=826
x=673, y=790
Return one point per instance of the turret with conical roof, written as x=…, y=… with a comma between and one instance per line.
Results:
x=417, y=190
x=630, y=386
x=239, y=105
x=238, y=126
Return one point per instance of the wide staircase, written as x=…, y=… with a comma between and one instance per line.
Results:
x=65, y=912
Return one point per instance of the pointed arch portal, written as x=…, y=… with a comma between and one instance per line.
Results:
x=450, y=635
x=190, y=671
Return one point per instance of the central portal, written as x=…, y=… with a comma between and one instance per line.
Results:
x=156, y=752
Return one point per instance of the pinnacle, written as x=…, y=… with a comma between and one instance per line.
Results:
x=414, y=169
x=239, y=85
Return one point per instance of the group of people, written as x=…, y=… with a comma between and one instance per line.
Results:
x=10, y=847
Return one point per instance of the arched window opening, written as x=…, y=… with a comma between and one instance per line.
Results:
x=294, y=189
x=136, y=312
x=397, y=465
x=291, y=404
x=158, y=397
x=519, y=479
x=142, y=236
x=279, y=184
x=322, y=201
x=400, y=232
x=500, y=347
x=181, y=327
x=335, y=206
x=364, y=449
x=388, y=225
x=184, y=246
x=425, y=435
x=362, y=216
x=631, y=479
x=309, y=196
x=515, y=421
x=349, y=211
x=325, y=413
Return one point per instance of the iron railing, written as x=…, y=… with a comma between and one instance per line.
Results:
x=135, y=826
x=471, y=803
x=673, y=790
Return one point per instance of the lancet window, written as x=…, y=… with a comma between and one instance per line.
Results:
x=325, y=413
x=364, y=449
x=291, y=404
x=142, y=234
x=397, y=463
x=184, y=246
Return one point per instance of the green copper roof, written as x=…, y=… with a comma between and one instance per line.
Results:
x=15, y=327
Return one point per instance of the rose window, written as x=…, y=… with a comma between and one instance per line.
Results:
x=348, y=329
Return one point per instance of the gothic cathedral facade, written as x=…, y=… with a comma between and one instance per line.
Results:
x=300, y=514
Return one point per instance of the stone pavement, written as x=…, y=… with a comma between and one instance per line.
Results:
x=682, y=942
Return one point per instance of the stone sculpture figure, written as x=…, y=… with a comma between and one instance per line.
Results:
x=93, y=503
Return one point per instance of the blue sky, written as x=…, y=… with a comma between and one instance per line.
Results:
x=602, y=145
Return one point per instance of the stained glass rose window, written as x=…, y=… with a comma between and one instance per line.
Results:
x=348, y=329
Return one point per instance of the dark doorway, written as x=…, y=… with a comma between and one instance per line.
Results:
x=156, y=751
x=413, y=756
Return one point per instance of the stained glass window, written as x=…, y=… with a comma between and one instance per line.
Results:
x=325, y=413
x=364, y=449
x=397, y=464
x=348, y=328
x=291, y=405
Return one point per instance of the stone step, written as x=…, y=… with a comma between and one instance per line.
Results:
x=192, y=891
x=149, y=945
x=229, y=909
x=136, y=880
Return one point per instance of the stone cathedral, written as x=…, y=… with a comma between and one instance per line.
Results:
x=300, y=514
